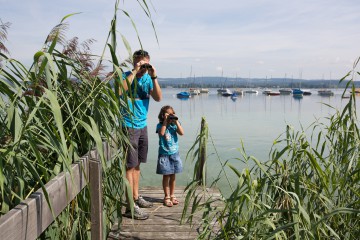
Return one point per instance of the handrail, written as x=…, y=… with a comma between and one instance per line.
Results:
x=33, y=215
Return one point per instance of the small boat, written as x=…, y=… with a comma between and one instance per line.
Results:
x=234, y=96
x=183, y=95
x=194, y=91
x=252, y=91
x=356, y=91
x=238, y=91
x=273, y=93
x=297, y=92
x=204, y=90
x=266, y=91
x=306, y=93
x=227, y=93
x=325, y=92
x=285, y=91
x=222, y=90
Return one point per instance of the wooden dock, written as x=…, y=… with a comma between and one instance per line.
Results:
x=163, y=222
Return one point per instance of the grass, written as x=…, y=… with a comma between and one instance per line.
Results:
x=308, y=189
x=63, y=105
x=56, y=111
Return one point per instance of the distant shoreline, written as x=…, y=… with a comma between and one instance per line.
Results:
x=218, y=82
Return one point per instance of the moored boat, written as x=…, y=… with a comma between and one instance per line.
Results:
x=266, y=91
x=273, y=93
x=234, y=96
x=226, y=93
x=285, y=91
x=183, y=95
x=297, y=92
x=325, y=92
x=222, y=90
x=306, y=93
x=252, y=91
x=238, y=91
x=194, y=91
x=204, y=90
x=356, y=91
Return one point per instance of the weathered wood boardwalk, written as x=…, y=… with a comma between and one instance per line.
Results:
x=164, y=222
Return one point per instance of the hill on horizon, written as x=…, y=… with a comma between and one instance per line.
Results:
x=218, y=82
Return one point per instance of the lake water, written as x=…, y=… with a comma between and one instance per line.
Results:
x=256, y=119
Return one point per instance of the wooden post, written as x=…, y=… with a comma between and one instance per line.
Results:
x=95, y=182
x=201, y=173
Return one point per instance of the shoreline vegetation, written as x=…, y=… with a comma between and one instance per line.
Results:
x=222, y=82
x=309, y=189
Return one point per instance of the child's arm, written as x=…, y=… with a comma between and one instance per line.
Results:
x=164, y=124
x=179, y=129
x=162, y=130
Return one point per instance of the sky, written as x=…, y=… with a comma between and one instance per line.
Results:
x=304, y=39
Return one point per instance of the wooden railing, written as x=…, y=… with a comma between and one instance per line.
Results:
x=33, y=215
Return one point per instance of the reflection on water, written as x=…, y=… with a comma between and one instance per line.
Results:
x=256, y=119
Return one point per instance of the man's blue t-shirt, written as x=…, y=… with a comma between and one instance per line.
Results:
x=168, y=144
x=140, y=91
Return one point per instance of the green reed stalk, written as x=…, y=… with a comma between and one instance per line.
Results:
x=49, y=120
x=308, y=189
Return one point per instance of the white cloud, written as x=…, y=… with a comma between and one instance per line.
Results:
x=316, y=36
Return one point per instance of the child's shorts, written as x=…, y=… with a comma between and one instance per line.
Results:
x=169, y=164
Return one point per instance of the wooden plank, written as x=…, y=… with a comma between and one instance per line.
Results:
x=163, y=222
x=33, y=215
x=153, y=228
x=155, y=235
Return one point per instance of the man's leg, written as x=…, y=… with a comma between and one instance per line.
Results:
x=133, y=175
x=142, y=156
x=136, y=179
x=130, y=178
x=132, y=167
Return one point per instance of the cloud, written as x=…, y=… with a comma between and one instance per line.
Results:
x=286, y=36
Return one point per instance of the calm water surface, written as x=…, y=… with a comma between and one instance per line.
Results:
x=255, y=119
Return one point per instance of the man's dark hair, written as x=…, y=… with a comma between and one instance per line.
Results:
x=141, y=53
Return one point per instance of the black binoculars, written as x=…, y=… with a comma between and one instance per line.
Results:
x=146, y=65
x=173, y=117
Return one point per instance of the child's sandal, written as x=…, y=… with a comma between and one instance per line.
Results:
x=168, y=202
x=174, y=200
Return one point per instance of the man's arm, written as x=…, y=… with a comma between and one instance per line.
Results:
x=156, y=93
x=130, y=79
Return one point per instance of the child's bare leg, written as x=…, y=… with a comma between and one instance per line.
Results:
x=172, y=190
x=172, y=184
x=166, y=188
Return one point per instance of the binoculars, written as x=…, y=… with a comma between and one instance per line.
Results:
x=146, y=65
x=173, y=117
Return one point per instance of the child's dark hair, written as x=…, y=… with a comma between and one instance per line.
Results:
x=163, y=111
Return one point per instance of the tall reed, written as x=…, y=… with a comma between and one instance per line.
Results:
x=56, y=111
x=308, y=189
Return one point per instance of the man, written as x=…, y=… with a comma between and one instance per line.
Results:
x=143, y=83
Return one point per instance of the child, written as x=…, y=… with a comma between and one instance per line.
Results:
x=169, y=162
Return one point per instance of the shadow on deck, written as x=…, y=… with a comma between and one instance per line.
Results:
x=163, y=222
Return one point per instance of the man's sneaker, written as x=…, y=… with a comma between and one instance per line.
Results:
x=141, y=202
x=139, y=214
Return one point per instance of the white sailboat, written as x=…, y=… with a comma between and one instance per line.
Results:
x=252, y=91
x=326, y=92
